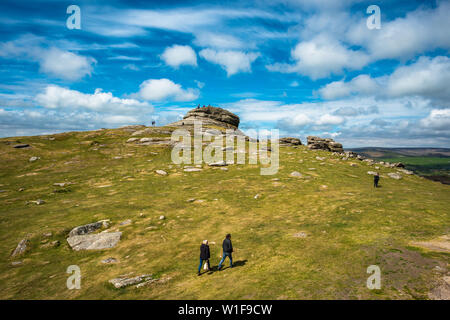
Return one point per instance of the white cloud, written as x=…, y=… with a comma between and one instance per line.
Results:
x=327, y=119
x=218, y=41
x=362, y=84
x=426, y=77
x=321, y=57
x=419, y=31
x=231, y=61
x=60, y=63
x=55, y=97
x=437, y=120
x=301, y=120
x=165, y=89
x=65, y=64
x=177, y=55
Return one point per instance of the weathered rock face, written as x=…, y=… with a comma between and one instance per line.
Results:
x=290, y=141
x=324, y=144
x=88, y=228
x=210, y=115
x=97, y=241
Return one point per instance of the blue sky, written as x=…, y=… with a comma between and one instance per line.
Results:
x=303, y=67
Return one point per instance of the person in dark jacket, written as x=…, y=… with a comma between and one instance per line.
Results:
x=227, y=247
x=376, y=178
x=204, y=255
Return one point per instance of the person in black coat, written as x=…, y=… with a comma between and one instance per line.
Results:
x=227, y=247
x=204, y=255
x=376, y=178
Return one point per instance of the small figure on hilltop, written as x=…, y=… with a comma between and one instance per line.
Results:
x=227, y=247
x=376, y=178
x=153, y=123
x=204, y=256
x=198, y=107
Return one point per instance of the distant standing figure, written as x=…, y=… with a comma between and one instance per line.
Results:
x=204, y=255
x=376, y=178
x=153, y=123
x=227, y=247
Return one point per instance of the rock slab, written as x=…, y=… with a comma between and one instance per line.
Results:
x=97, y=241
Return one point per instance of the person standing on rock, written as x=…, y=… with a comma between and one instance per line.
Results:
x=376, y=178
x=204, y=255
x=227, y=251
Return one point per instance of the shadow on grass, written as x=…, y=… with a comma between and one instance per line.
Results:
x=236, y=264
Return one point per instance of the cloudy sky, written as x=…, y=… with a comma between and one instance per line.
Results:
x=303, y=67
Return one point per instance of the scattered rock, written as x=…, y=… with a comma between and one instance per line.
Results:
x=320, y=158
x=192, y=169
x=161, y=172
x=371, y=172
x=62, y=184
x=38, y=202
x=162, y=217
x=16, y=263
x=126, y=222
x=395, y=176
x=353, y=164
x=132, y=139
x=22, y=145
x=257, y=196
x=94, y=241
x=405, y=171
x=109, y=260
x=32, y=159
x=21, y=247
x=296, y=174
x=398, y=165
x=300, y=234
x=125, y=282
x=218, y=164
x=52, y=244
x=190, y=200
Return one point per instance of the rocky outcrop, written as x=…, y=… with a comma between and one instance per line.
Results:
x=324, y=144
x=288, y=141
x=210, y=116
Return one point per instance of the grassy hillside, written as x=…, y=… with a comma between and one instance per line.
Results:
x=348, y=225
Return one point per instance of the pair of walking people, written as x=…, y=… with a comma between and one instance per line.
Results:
x=227, y=248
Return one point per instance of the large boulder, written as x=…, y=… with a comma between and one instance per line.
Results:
x=104, y=240
x=210, y=116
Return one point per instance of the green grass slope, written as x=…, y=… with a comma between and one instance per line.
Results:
x=349, y=225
